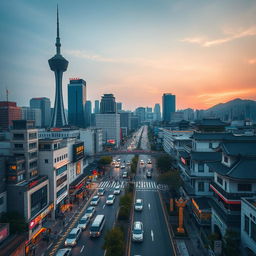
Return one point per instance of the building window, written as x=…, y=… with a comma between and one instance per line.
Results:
x=18, y=136
x=210, y=145
x=38, y=200
x=244, y=187
x=253, y=231
x=200, y=167
x=61, y=180
x=32, y=145
x=33, y=164
x=46, y=161
x=220, y=180
x=55, y=160
x=61, y=191
x=32, y=155
x=33, y=136
x=225, y=159
x=18, y=146
x=61, y=170
x=200, y=186
x=246, y=224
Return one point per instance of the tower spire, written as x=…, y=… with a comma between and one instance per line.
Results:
x=58, y=44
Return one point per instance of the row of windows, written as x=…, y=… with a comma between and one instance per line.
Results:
x=60, y=158
x=61, y=191
x=61, y=180
x=250, y=231
x=38, y=200
x=240, y=187
x=33, y=164
x=61, y=170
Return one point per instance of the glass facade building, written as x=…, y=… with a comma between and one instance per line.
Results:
x=169, y=106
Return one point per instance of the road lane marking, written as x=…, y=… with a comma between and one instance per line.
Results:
x=103, y=206
x=82, y=249
x=149, y=206
x=49, y=246
x=152, y=235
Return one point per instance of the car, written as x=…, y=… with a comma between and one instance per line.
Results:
x=141, y=161
x=83, y=222
x=113, y=162
x=64, y=252
x=138, y=206
x=128, y=163
x=73, y=237
x=125, y=174
x=110, y=200
x=117, y=190
x=122, y=166
x=95, y=200
x=101, y=192
x=137, y=231
x=149, y=161
x=118, y=160
x=90, y=212
x=117, y=165
x=149, y=174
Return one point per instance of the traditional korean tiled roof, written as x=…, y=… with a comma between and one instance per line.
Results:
x=244, y=148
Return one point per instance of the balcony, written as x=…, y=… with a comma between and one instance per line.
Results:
x=230, y=196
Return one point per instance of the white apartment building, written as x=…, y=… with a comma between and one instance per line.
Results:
x=110, y=125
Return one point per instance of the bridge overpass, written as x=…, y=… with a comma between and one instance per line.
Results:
x=130, y=152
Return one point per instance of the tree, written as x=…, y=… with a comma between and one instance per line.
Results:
x=114, y=242
x=105, y=160
x=17, y=222
x=172, y=179
x=164, y=163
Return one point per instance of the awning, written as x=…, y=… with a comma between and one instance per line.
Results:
x=38, y=233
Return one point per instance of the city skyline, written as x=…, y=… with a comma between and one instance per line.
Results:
x=148, y=48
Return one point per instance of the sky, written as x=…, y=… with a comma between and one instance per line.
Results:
x=203, y=51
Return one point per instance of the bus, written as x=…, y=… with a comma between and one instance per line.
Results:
x=97, y=226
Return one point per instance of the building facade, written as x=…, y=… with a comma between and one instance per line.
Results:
x=34, y=114
x=8, y=112
x=108, y=104
x=168, y=105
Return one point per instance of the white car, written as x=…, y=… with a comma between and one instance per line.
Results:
x=101, y=191
x=83, y=222
x=117, y=190
x=138, y=206
x=149, y=161
x=122, y=166
x=117, y=165
x=137, y=231
x=110, y=200
x=128, y=163
x=64, y=252
x=73, y=237
x=125, y=174
x=141, y=162
x=95, y=200
x=90, y=212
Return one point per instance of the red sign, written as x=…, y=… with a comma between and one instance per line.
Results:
x=111, y=142
x=183, y=160
x=33, y=183
x=94, y=172
x=4, y=232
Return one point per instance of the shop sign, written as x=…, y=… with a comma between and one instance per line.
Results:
x=4, y=232
x=183, y=160
x=78, y=151
x=78, y=168
x=41, y=216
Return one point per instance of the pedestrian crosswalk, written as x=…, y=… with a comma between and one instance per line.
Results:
x=139, y=185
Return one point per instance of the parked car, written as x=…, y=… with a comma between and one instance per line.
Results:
x=90, y=212
x=73, y=237
x=95, y=200
x=117, y=190
x=138, y=206
x=125, y=174
x=64, y=252
x=110, y=200
x=137, y=231
x=83, y=222
x=101, y=191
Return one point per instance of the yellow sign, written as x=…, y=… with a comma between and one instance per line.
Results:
x=78, y=167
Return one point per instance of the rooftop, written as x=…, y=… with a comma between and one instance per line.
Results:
x=235, y=148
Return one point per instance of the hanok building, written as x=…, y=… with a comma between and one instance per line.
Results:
x=234, y=177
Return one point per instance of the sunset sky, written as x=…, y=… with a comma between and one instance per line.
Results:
x=203, y=51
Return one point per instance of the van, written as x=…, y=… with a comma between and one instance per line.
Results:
x=97, y=226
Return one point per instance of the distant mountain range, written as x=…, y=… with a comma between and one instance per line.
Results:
x=236, y=109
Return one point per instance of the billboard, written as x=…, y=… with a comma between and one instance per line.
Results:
x=78, y=151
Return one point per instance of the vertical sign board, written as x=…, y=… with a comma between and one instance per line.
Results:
x=78, y=151
x=218, y=247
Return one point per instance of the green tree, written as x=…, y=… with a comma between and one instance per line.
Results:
x=231, y=243
x=105, y=160
x=114, y=242
x=164, y=163
x=17, y=222
x=172, y=179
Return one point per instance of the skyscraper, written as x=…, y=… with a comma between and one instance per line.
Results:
x=58, y=64
x=88, y=113
x=97, y=107
x=169, y=106
x=118, y=107
x=157, y=112
x=76, y=102
x=108, y=104
x=44, y=104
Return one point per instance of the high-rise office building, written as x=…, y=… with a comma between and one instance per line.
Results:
x=108, y=104
x=58, y=64
x=96, y=107
x=141, y=113
x=34, y=114
x=118, y=107
x=76, y=102
x=169, y=106
x=88, y=113
x=44, y=104
x=157, y=112
x=8, y=112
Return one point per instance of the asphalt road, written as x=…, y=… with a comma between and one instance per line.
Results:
x=93, y=247
x=156, y=237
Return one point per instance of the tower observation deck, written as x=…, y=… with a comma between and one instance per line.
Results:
x=58, y=65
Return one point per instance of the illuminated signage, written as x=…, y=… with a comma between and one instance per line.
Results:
x=78, y=151
x=41, y=216
x=78, y=168
x=13, y=167
x=111, y=142
x=184, y=161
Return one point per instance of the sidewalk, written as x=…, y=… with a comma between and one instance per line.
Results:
x=57, y=227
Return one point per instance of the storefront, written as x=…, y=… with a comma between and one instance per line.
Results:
x=78, y=188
